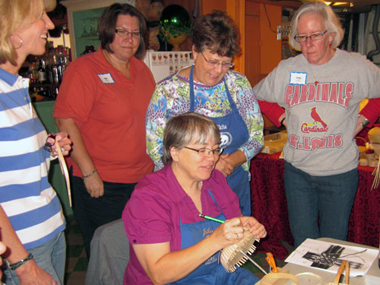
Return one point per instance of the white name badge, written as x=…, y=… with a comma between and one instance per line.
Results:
x=106, y=78
x=298, y=78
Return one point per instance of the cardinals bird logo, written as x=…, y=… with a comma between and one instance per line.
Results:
x=317, y=118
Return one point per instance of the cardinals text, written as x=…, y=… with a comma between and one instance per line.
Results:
x=336, y=92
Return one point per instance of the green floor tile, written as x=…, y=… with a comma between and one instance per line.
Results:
x=74, y=250
x=81, y=264
x=73, y=230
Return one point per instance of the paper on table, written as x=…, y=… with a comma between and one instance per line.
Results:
x=65, y=173
x=328, y=256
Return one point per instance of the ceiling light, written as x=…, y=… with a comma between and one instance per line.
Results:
x=333, y=3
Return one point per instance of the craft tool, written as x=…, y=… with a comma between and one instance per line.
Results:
x=271, y=262
x=216, y=220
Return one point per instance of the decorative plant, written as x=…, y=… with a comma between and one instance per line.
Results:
x=174, y=21
x=168, y=30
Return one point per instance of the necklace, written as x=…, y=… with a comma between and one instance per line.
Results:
x=106, y=55
x=123, y=69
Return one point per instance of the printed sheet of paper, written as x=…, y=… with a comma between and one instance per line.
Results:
x=328, y=256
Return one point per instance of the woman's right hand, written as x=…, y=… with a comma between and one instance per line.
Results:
x=94, y=185
x=224, y=166
x=81, y=157
x=30, y=274
x=230, y=232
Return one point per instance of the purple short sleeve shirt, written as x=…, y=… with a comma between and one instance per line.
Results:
x=157, y=206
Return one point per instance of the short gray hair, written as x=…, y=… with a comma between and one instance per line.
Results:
x=188, y=128
x=332, y=22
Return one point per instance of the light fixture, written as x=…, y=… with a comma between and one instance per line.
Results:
x=341, y=4
x=335, y=4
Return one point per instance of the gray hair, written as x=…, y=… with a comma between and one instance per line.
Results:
x=188, y=128
x=332, y=22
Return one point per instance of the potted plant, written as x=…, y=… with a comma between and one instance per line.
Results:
x=175, y=25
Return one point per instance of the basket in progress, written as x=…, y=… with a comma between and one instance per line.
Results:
x=231, y=256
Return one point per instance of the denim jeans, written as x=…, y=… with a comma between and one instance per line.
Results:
x=91, y=213
x=319, y=206
x=50, y=257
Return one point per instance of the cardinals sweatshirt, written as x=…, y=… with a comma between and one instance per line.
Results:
x=322, y=105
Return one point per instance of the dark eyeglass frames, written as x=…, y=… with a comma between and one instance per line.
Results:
x=206, y=151
x=313, y=37
x=215, y=63
x=125, y=34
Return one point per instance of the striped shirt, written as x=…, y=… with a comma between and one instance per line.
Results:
x=26, y=196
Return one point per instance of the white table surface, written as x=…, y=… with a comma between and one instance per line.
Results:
x=372, y=277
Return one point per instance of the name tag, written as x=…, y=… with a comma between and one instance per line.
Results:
x=298, y=78
x=106, y=78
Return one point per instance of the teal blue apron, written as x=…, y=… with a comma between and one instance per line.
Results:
x=211, y=271
x=234, y=133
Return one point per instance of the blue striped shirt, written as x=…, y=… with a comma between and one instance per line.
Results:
x=28, y=199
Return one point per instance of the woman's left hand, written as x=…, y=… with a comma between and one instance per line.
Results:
x=257, y=229
x=63, y=141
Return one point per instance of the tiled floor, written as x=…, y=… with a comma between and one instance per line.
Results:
x=76, y=263
x=76, y=260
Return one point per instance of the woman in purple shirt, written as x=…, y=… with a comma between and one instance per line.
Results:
x=169, y=241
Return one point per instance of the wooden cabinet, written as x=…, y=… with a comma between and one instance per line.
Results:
x=83, y=18
x=263, y=49
x=257, y=22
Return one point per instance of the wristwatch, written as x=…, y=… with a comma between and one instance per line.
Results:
x=16, y=265
x=365, y=123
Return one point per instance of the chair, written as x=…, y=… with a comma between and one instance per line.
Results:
x=109, y=255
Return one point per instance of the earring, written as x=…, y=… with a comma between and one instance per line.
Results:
x=330, y=45
x=20, y=40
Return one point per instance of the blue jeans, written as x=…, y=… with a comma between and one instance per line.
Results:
x=50, y=257
x=326, y=200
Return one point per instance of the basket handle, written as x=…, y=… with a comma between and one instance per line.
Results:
x=345, y=265
x=270, y=277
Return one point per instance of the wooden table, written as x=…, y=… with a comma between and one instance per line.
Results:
x=270, y=208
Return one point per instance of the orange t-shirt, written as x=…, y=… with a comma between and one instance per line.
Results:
x=109, y=110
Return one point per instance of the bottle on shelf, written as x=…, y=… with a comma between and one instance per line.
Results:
x=41, y=71
x=55, y=70
x=45, y=72
x=49, y=71
x=32, y=73
x=44, y=91
x=55, y=92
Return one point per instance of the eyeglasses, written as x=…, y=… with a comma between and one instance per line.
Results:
x=313, y=37
x=206, y=151
x=125, y=34
x=215, y=63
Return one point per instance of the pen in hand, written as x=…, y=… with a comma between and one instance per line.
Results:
x=216, y=220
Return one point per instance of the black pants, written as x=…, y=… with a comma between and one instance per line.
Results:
x=90, y=213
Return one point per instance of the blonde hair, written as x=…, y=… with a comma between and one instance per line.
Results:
x=15, y=14
x=332, y=22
